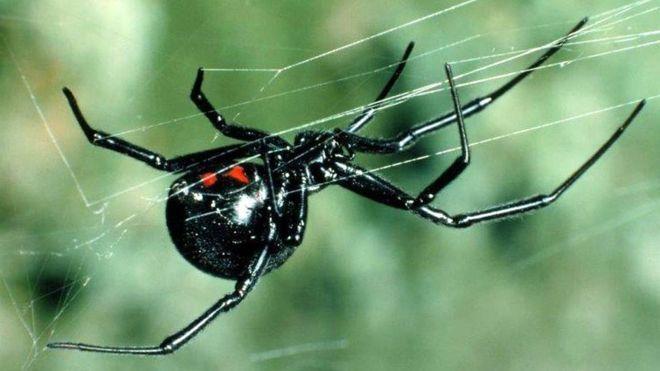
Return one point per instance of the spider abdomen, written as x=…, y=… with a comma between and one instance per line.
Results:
x=219, y=220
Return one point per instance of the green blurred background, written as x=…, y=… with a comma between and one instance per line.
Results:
x=576, y=286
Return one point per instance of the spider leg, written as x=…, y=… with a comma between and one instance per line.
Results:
x=270, y=183
x=375, y=188
x=180, y=338
x=530, y=203
x=368, y=114
x=155, y=160
x=409, y=137
x=105, y=140
x=218, y=121
x=460, y=164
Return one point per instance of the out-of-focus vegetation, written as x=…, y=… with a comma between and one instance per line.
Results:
x=576, y=286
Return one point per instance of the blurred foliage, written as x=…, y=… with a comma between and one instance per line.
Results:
x=576, y=286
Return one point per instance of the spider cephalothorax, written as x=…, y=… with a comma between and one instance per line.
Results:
x=239, y=220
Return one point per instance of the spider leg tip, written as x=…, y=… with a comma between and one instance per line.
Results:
x=200, y=73
x=58, y=345
x=580, y=24
x=638, y=109
x=197, y=86
x=69, y=95
x=409, y=49
x=74, y=346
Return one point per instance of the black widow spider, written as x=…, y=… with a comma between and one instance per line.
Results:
x=240, y=220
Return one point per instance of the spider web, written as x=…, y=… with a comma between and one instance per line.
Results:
x=56, y=276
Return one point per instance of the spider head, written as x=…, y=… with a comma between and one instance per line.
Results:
x=218, y=218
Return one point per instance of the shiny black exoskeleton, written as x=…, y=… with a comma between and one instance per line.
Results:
x=239, y=211
x=219, y=219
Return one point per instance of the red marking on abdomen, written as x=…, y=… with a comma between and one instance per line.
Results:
x=209, y=179
x=237, y=173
